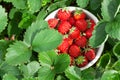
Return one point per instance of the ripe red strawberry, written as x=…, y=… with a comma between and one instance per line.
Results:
x=71, y=20
x=63, y=47
x=64, y=27
x=74, y=51
x=79, y=14
x=81, y=41
x=74, y=33
x=63, y=14
x=88, y=33
x=81, y=61
x=69, y=40
x=81, y=24
x=92, y=24
x=52, y=22
x=90, y=54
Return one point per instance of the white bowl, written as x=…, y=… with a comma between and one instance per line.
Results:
x=91, y=16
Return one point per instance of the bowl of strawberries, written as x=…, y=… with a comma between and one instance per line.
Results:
x=76, y=26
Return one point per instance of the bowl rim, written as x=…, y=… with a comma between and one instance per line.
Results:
x=93, y=17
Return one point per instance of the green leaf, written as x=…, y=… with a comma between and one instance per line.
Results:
x=46, y=73
x=42, y=14
x=13, y=24
x=33, y=30
x=33, y=67
x=109, y=8
x=94, y=4
x=13, y=29
x=61, y=63
x=88, y=74
x=29, y=78
x=24, y=70
x=99, y=72
x=60, y=77
x=99, y=35
x=116, y=50
x=73, y=73
x=47, y=39
x=104, y=61
x=3, y=19
x=12, y=12
x=19, y=4
x=116, y=66
x=110, y=75
x=9, y=77
x=52, y=63
x=51, y=59
x=17, y=53
x=57, y=5
x=112, y=28
x=56, y=0
x=3, y=46
x=8, y=0
x=45, y=2
x=26, y=21
x=112, y=41
x=5, y=68
x=0, y=62
x=118, y=1
x=34, y=5
x=82, y=3
x=47, y=58
x=30, y=69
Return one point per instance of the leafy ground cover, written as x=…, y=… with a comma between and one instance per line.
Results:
x=26, y=42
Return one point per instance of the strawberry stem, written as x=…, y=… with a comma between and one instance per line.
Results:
x=72, y=30
x=65, y=9
x=89, y=23
x=65, y=36
x=78, y=11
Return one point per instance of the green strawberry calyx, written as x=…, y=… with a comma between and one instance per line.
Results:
x=80, y=60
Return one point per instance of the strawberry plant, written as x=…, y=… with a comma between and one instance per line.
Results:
x=29, y=46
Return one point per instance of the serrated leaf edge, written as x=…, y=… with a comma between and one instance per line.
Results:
x=5, y=14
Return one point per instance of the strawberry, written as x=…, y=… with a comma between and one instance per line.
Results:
x=92, y=24
x=81, y=41
x=64, y=27
x=74, y=51
x=69, y=40
x=90, y=54
x=81, y=25
x=79, y=14
x=52, y=22
x=74, y=33
x=63, y=14
x=71, y=20
x=88, y=33
x=63, y=47
x=81, y=61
